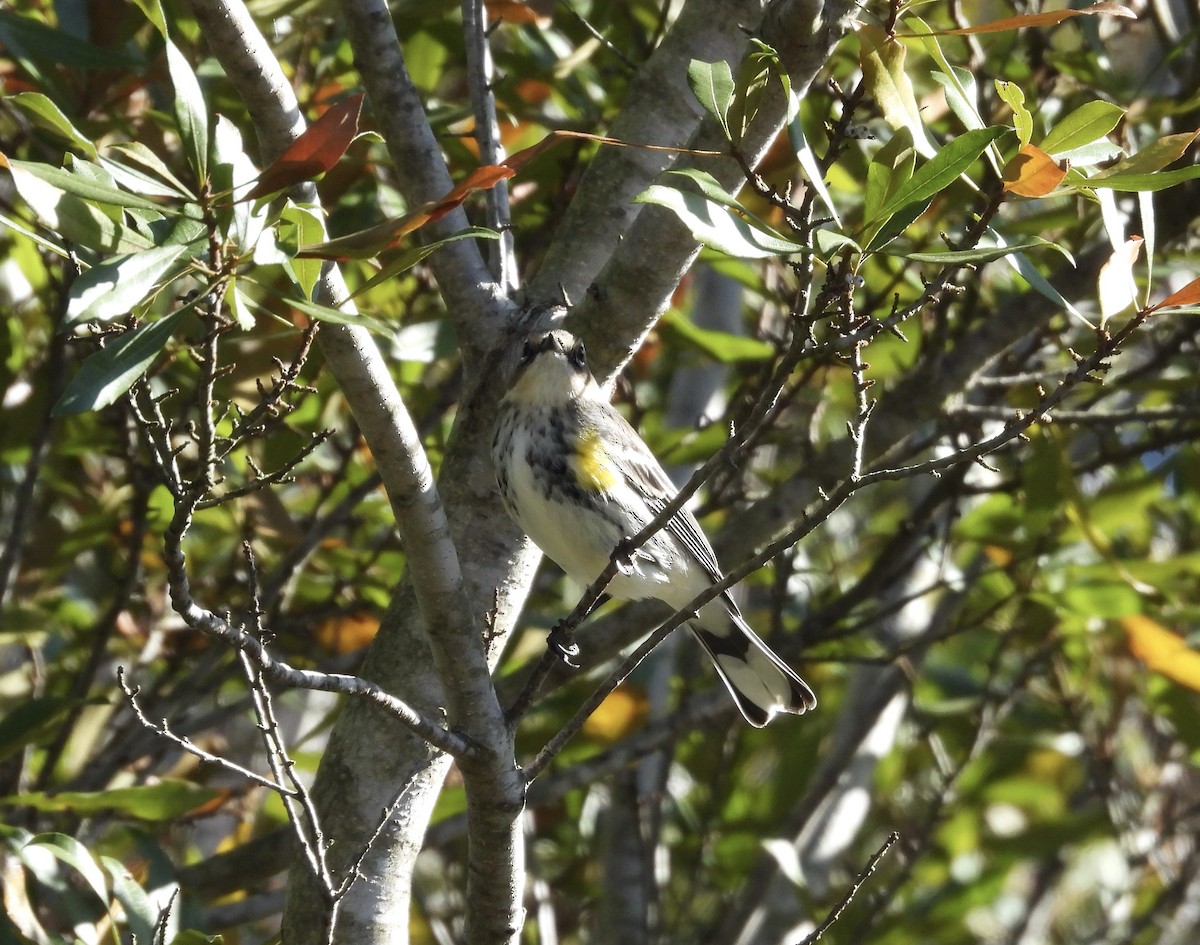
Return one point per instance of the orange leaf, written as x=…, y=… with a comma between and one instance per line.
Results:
x=1162, y=650
x=1032, y=172
x=316, y=151
x=1049, y=18
x=1188, y=295
x=620, y=712
x=346, y=633
x=538, y=12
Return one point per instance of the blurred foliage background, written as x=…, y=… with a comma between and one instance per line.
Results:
x=1004, y=651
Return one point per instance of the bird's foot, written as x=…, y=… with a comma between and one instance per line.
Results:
x=561, y=643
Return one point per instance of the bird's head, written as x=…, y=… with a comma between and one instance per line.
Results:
x=552, y=370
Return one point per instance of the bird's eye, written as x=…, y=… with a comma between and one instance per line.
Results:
x=577, y=356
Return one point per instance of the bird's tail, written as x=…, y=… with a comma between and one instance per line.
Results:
x=760, y=682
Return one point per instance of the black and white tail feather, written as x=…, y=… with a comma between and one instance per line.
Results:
x=578, y=479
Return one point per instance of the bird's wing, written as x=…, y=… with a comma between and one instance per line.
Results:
x=652, y=485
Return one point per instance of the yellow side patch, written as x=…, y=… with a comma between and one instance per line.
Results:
x=592, y=462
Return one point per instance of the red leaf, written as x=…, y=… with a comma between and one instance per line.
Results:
x=317, y=150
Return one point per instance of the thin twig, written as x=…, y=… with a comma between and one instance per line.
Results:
x=163, y=730
x=480, y=78
x=836, y=912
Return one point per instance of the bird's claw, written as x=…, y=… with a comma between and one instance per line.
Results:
x=560, y=642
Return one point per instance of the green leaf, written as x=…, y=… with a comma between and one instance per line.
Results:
x=1039, y=283
x=415, y=254
x=712, y=84
x=137, y=181
x=750, y=87
x=154, y=13
x=138, y=152
x=85, y=185
x=713, y=226
x=943, y=168
x=166, y=800
x=235, y=301
x=812, y=170
x=980, y=254
x=302, y=225
x=191, y=114
x=140, y=914
x=70, y=851
x=960, y=96
x=719, y=345
x=888, y=83
x=1155, y=180
x=45, y=113
x=326, y=313
x=1166, y=150
x=25, y=37
x=111, y=371
x=1011, y=94
x=113, y=288
x=27, y=721
x=889, y=170
x=1086, y=124
x=72, y=217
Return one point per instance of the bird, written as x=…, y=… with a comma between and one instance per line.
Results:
x=579, y=481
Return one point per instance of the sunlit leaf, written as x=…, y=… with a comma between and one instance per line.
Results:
x=191, y=113
x=888, y=83
x=317, y=150
x=1157, y=180
x=1188, y=295
x=1086, y=124
x=1115, y=285
x=944, y=167
x=70, y=215
x=1032, y=173
x=1011, y=94
x=70, y=851
x=716, y=227
x=90, y=187
x=1154, y=157
x=1162, y=650
x=302, y=225
x=235, y=302
x=812, y=170
x=112, y=289
x=959, y=89
x=48, y=115
x=712, y=84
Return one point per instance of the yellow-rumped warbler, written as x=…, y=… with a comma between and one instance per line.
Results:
x=578, y=479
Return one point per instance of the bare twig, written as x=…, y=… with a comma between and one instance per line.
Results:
x=836, y=912
x=163, y=730
x=480, y=77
